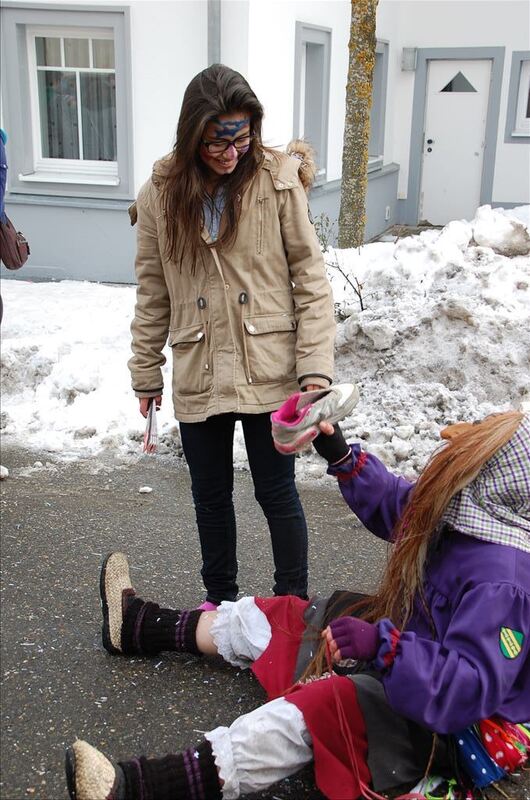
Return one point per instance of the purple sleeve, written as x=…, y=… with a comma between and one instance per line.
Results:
x=373, y=493
x=482, y=662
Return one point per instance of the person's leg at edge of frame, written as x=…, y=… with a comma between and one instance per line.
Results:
x=208, y=448
x=258, y=749
x=275, y=490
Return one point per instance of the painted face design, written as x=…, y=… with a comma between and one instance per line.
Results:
x=229, y=128
x=225, y=139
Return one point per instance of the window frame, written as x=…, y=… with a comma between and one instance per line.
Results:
x=29, y=172
x=306, y=33
x=64, y=170
x=518, y=126
x=378, y=108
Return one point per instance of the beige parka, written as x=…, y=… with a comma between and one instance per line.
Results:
x=253, y=322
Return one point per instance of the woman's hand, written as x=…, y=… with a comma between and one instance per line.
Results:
x=144, y=404
x=350, y=637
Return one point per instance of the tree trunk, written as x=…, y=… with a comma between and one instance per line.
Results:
x=352, y=217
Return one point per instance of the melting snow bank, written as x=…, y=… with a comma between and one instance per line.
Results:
x=444, y=335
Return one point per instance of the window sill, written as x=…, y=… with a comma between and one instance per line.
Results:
x=374, y=162
x=79, y=178
x=521, y=134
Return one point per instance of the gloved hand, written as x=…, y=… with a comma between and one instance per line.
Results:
x=350, y=637
x=332, y=447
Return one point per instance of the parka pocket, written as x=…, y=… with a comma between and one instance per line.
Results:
x=192, y=370
x=270, y=342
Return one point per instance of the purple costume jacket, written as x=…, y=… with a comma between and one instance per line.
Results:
x=450, y=678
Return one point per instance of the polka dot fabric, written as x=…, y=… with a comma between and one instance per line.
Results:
x=475, y=759
x=505, y=750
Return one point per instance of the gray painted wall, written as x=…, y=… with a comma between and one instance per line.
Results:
x=381, y=193
x=93, y=240
x=92, y=243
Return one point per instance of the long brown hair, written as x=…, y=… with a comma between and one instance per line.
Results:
x=214, y=91
x=448, y=471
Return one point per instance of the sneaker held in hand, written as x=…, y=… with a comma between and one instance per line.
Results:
x=295, y=423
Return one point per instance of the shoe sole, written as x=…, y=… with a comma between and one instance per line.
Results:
x=111, y=588
x=69, y=768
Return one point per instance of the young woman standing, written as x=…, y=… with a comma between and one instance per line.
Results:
x=230, y=273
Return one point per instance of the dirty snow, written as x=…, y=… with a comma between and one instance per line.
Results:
x=444, y=335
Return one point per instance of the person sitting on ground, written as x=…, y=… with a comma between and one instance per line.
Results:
x=441, y=646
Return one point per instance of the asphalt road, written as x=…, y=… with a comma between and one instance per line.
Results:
x=58, y=683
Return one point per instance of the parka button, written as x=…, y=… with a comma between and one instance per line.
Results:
x=200, y=335
x=251, y=329
x=243, y=298
x=201, y=302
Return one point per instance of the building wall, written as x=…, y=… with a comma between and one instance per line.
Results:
x=451, y=24
x=92, y=239
x=169, y=46
x=271, y=66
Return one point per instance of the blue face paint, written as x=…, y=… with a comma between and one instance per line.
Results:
x=229, y=127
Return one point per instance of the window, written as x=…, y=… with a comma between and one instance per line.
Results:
x=377, y=111
x=66, y=106
x=73, y=100
x=518, y=110
x=311, y=96
x=459, y=84
x=522, y=114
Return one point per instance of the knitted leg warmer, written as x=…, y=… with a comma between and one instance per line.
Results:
x=190, y=774
x=148, y=629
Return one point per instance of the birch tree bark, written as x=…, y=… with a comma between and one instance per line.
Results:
x=352, y=216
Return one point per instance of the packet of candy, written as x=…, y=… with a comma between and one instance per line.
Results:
x=151, y=433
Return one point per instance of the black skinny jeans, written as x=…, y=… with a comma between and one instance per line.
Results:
x=208, y=447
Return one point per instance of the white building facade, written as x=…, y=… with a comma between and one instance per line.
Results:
x=91, y=94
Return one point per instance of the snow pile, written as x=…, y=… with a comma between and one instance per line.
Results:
x=444, y=335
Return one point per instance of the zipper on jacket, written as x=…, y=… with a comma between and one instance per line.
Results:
x=202, y=306
x=243, y=300
x=261, y=224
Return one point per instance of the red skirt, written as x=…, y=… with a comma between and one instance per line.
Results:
x=339, y=769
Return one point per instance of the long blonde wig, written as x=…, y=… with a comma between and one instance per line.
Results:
x=448, y=471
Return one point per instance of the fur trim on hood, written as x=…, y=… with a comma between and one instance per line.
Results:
x=299, y=148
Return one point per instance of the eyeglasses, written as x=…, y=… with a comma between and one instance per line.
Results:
x=215, y=148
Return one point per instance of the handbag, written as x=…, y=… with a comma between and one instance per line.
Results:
x=14, y=247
